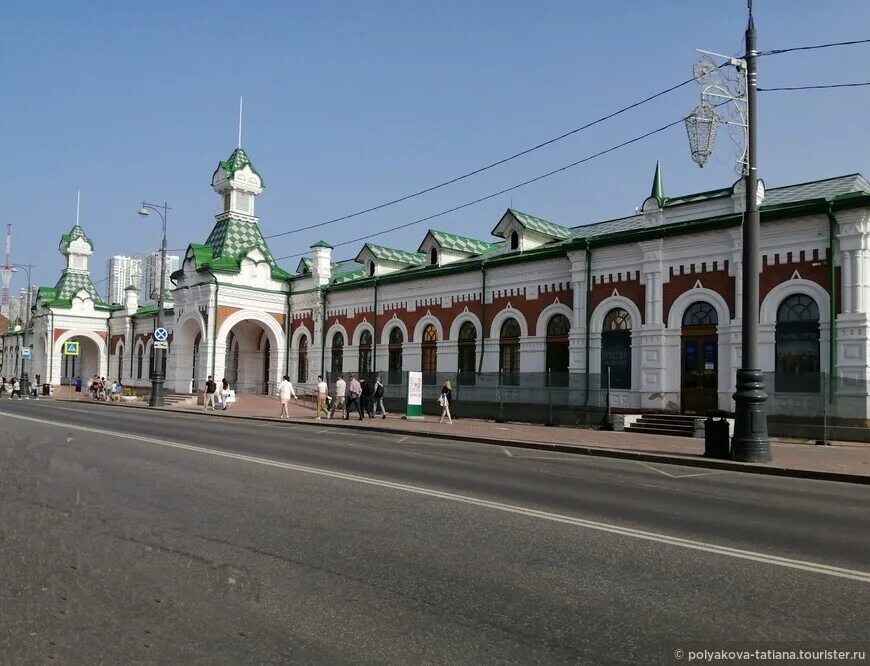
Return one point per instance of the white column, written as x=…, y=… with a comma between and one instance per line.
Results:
x=577, y=309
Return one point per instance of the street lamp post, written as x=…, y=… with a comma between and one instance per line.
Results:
x=157, y=374
x=24, y=380
x=750, y=442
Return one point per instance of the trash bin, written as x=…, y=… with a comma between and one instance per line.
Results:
x=46, y=389
x=716, y=437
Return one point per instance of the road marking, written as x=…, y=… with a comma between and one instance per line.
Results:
x=675, y=476
x=399, y=441
x=507, y=452
x=764, y=558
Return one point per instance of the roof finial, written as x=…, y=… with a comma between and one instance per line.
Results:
x=78, y=205
x=658, y=192
x=241, y=102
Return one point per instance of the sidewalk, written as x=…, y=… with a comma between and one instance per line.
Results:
x=843, y=461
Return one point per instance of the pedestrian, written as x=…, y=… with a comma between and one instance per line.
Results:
x=285, y=392
x=338, y=399
x=444, y=401
x=322, y=390
x=365, y=400
x=3, y=386
x=210, y=390
x=101, y=393
x=15, y=388
x=226, y=394
x=354, y=391
x=79, y=383
x=119, y=391
x=113, y=388
x=379, y=397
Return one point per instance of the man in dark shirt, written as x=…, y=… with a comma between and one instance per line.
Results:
x=210, y=391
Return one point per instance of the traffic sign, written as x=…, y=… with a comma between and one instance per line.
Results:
x=25, y=353
x=161, y=334
x=161, y=344
x=70, y=348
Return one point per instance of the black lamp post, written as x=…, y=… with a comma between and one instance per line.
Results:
x=24, y=380
x=157, y=374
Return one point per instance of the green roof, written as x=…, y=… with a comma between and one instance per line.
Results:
x=355, y=274
x=72, y=235
x=392, y=254
x=322, y=243
x=229, y=242
x=237, y=161
x=541, y=226
x=461, y=243
x=71, y=283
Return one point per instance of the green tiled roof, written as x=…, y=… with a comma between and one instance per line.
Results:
x=322, y=243
x=71, y=283
x=461, y=243
x=392, y=254
x=355, y=274
x=229, y=242
x=74, y=234
x=237, y=161
x=304, y=265
x=541, y=226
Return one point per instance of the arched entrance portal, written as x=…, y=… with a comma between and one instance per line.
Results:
x=86, y=364
x=252, y=359
x=188, y=358
x=700, y=362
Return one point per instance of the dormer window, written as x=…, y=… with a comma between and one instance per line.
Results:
x=371, y=268
x=226, y=202
x=433, y=256
x=243, y=202
x=515, y=240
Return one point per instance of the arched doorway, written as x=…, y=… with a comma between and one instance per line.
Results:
x=85, y=365
x=509, y=353
x=467, y=353
x=394, y=356
x=250, y=360
x=797, y=345
x=616, y=349
x=189, y=357
x=429, y=360
x=700, y=359
x=558, y=328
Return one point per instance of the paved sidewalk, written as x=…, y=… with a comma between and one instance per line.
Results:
x=842, y=458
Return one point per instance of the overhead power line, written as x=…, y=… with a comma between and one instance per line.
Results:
x=813, y=47
x=505, y=190
x=830, y=85
x=487, y=167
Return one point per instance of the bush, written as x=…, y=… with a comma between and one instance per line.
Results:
x=128, y=391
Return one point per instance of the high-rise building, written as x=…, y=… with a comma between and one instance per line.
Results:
x=122, y=272
x=15, y=311
x=151, y=274
x=26, y=301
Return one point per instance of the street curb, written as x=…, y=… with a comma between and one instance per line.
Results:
x=622, y=454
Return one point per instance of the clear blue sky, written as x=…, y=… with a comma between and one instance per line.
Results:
x=348, y=104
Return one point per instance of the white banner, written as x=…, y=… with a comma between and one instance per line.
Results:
x=415, y=388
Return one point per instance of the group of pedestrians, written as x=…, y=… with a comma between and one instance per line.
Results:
x=12, y=387
x=212, y=397
x=362, y=396
x=100, y=389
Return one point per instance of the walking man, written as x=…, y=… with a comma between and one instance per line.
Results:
x=285, y=392
x=354, y=391
x=322, y=390
x=15, y=389
x=340, y=389
x=379, y=397
x=210, y=390
x=365, y=401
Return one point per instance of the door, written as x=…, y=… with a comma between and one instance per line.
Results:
x=700, y=377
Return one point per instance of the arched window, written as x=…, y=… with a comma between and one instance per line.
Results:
x=797, y=345
x=515, y=240
x=467, y=353
x=365, y=352
x=394, y=357
x=429, y=361
x=509, y=352
x=267, y=366
x=700, y=314
x=140, y=355
x=194, y=363
x=371, y=268
x=616, y=349
x=337, y=352
x=120, y=361
x=302, y=360
x=558, y=328
x=433, y=256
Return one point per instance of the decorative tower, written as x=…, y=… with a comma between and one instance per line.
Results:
x=76, y=278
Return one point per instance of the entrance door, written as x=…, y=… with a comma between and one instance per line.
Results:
x=700, y=365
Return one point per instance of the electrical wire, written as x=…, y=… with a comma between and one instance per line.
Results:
x=831, y=85
x=814, y=46
x=505, y=190
x=487, y=167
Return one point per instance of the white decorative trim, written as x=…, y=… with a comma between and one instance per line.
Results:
x=332, y=330
x=178, y=327
x=460, y=319
x=428, y=318
x=388, y=328
x=79, y=333
x=596, y=321
x=780, y=292
x=548, y=312
x=358, y=331
x=297, y=334
x=684, y=300
x=268, y=322
x=498, y=320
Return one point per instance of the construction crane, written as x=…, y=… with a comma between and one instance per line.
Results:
x=6, y=271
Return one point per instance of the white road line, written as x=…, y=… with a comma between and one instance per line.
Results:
x=675, y=476
x=764, y=558
x=399, y=441
x=507, y=452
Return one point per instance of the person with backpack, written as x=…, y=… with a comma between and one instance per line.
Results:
x=210, y=390
x=379, y=397
x=365, y=399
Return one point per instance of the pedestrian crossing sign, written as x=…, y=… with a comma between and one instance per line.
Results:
x=71, y=349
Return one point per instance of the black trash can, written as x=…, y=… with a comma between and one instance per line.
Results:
x=717, y=443
x=46, y=389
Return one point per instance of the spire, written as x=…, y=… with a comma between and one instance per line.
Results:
x=658, y=192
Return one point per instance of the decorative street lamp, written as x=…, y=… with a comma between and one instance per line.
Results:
x=24, y=380
x=157, y=374
x=750, y=442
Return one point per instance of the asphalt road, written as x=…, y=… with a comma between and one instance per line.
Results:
x=130, y=536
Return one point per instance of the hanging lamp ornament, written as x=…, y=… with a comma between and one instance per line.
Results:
x=701, y=126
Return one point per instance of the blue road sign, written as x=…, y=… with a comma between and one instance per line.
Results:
x=70, y=348
x=161, y=334
x=25, y=352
